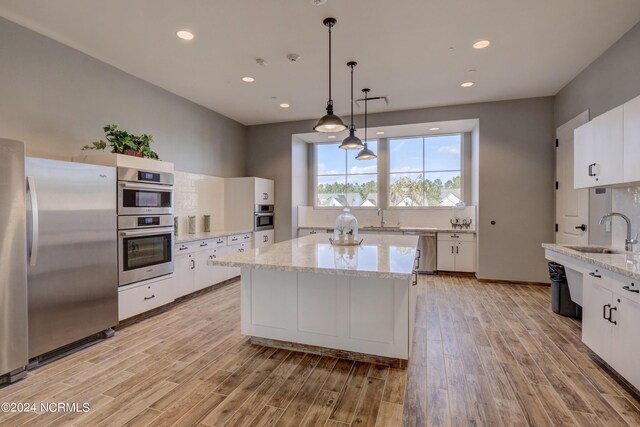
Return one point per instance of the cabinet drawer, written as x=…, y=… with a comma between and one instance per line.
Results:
x=145, y=297
x=234, y=239
x=623, y=286
x=240, y=247
x=458, y=237
x=219, y=242
x=186, y=248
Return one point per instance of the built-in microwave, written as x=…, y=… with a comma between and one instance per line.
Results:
x=144, y=192
x=263, y=221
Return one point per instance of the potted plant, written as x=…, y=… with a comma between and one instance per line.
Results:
x=123, y=142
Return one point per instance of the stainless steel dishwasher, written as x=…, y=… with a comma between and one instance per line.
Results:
x=428, y=251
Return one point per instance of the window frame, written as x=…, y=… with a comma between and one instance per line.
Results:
x=389, y=173
x=346, y=174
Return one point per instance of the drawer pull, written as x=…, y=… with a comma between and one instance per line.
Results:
x=604, y=312
x=148, y=298
x=204, y=244
x=184, y=248
x=615, y=322
x=597, y=276
x=415, y=279
x=627, y=288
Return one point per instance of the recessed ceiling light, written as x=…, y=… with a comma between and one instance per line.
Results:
x=248, y=79
x=467, y=84
x=331, y=137
x=185, y=35
x=434, y=128
x=285, y=105
x=481, y=44
x=380, y=133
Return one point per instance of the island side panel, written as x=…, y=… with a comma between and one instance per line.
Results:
x=357, y=314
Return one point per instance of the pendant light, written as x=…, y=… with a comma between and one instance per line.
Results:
x=329, y=122
x=352, y=142
x=366, y=153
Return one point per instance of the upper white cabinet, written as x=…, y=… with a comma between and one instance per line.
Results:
x=599, y=150
x=632, y=140
x=264, y=191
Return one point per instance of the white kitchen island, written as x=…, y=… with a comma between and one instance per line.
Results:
x=355, y=302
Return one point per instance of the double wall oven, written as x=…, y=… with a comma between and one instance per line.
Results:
x=145, y=225
x=263, y=218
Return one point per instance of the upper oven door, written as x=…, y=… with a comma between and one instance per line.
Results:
x=137, y=199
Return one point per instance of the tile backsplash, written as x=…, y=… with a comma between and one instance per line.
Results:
x=198, y=195
x=625, y=200
x=308, y=216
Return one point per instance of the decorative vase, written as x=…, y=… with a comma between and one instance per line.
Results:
x=207, y=223
x=192, y=225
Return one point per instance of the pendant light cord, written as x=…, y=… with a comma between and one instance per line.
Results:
x=330, y=100
x=352, y=97
x=366, y=101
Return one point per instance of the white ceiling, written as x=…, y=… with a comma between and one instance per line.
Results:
x=402, y=47
x=397, y=131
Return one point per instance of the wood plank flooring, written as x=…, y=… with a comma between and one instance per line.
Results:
x=484, y=354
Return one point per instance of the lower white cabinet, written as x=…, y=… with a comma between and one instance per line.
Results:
x=610, y=315
x=456, y=252
x=207, y=275
x=184, y=274
x=262, y=239
x=144, y=296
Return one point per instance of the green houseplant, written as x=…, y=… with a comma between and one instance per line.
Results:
x=123, y=142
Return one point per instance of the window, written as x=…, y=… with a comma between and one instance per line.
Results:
x=425, y=171
x=341, y=180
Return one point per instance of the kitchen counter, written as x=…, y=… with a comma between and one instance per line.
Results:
x=401, y=229
x=623, y=263
x=186, y=238
x=380, y=256
x=354, y=302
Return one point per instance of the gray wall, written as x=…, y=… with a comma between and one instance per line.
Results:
x=609, y=81
x=515, y=175
x=57, y=99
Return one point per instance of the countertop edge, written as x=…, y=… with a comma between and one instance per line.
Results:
x=409, y=229
x=584, y=257
x=350, y=273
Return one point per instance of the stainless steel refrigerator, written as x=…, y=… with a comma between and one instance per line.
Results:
x=13, y=262
x=72, y=273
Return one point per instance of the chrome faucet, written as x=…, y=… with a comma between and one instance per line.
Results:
x=381, y=215
x=629, y=242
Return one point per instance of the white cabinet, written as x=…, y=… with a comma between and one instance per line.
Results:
x=263, y=239
x=207, y=275
x=144, y=296
x=610, y=315
x=302, y=232
x=632, y=140
x=183, y=276
x=264, y=190
x=599, y=150
x=456, y=252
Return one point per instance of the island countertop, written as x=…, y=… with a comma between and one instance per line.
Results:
x=620, y=262
x=380, y=256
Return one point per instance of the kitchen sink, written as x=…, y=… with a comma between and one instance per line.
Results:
x=595, y=249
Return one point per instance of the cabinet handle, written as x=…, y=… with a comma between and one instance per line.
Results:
x=604, y=311
x=457, y=247
x=615, y=322
x=265, y=239
x=193, y=264
x=597, y=276
x=183, y=249
x=148, y=298
x=213, y=256
x=418, y=254
x=591, y=173
x=204, y=244
x=627, y=288
x=451, y=249
x=312, y=232
x=415, y=278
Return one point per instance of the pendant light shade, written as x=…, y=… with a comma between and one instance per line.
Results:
x=329, y=122
x=366, y=153
x=352, y=142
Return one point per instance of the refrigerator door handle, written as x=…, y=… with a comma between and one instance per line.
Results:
x=31, y=189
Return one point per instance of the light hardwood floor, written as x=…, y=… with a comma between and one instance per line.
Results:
x=484, y=354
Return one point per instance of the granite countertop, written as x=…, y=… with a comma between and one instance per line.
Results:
x=410, y=229
x=621, y=262
x=380, y=256
x=186, y=238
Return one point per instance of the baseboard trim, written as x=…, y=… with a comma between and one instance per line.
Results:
x=323, y=351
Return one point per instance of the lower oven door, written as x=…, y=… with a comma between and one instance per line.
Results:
x=144, y=254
